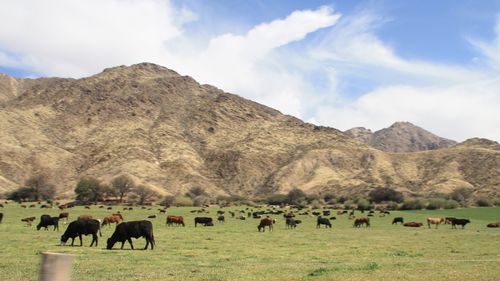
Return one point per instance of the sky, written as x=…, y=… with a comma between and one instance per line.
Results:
x=341, y=63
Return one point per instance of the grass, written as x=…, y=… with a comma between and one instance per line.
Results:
x=236, y=251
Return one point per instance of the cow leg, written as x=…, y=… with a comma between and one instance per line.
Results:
x=147, y=244
x=94, y=238
x=130, y=242
x=80, y=237
x=123, y=243
x=72, y=240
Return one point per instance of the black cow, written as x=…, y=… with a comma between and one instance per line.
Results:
x=220, y=219
x=326, y=213
x=79, y=228
x=397, y=219
x=324, y=221
x=206, y=221
x=132, y=229
x=1, y=217
x=461, y=222
x=46, y=220
x=291, y=223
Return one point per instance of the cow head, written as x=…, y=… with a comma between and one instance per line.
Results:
x=110, y=244
x=64, y=239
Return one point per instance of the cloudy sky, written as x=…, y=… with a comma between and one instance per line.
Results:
x=336, y=63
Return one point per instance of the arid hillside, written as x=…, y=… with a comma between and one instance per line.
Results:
x=170, y=133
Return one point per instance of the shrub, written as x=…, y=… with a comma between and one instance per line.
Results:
x=483, y=202
x=363, y=204
x=182, y=201
x=451, y=204
x=276, y=199
x=201, y=200
x=416, y=204
x=435, y=204
x=391, y=205
x=382, y=194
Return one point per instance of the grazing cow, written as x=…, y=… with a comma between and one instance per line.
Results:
x=220, y=212
x=46, y=220
x=242, y=217
x=288, y=215
x=111, y=219
x=360, y=221
x=87, y=207
x=341, y=212
x=110, y=208
x=162, y=211
x=84, y=217
x=232, y=214
x=133, y=229
x=316, y=214
x=118, y=215
x=32, y=206
x=351, y=217
x=79, y=228
x=436, y=221
x=177, y=220
x=351, y=213
x=448, y=220
x=28, y=221
x=413, y=224
x=493, y=225
x=326, y=213
x=64, y=215
x=333, y=218
x=205, y=221
x=324, y=221
x=23, y=206
x=398, y=219
x=152, y=216
x=291, y=223
x=1, y=217
x=462, y=222
x=267, y=221
x=220, y=218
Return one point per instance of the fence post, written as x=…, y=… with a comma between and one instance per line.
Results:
x=55, y=267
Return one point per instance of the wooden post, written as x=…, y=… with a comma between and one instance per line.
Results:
x=55, y=267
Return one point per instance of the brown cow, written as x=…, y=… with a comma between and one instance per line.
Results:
x=84, y=217
x=413, y=224
x=64, y=215
x=111, y=219
x=436, y=221
x=359, y=222
x=28, y=221
x=493, y=224
x=267, y=221
x=118, y=215
x=177, y=220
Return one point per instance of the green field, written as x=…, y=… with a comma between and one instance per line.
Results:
x=235, y=250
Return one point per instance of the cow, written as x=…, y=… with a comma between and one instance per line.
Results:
x=205, y=221
x=64, y=215
x=46, y=220
x=267, y=221
x=162, y=211
x=351, y=217
x=341, y=212
x=462, y=222
x=111, y=219
x=118, y=215
x=109, y=208
x=413, y=224
x=220, y=218
x=84, y=217
x=79, y=228
x=232, y=214
x=1, y=217
x=28, y=220
x=152, y=216
x=326, y=213
x=241, y=217
x=291, y=223
x=87, y=207
x=220, y=212
x=324, y=221
x=448, y=220
x=317, y=214
x=493, y=225
x=436, y=221
x=177, y=220
x=125, y=231
x=333, y=218
x=397, y=219
x=360, y=221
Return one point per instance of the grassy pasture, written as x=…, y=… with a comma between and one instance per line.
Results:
x=236, y=251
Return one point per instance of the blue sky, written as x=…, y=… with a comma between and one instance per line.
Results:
x=335, y=63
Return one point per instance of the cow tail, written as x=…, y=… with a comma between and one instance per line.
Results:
x=100, y=234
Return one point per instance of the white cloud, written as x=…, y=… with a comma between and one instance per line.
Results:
x=491, y=50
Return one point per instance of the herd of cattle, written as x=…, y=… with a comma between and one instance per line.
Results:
x=124, y=231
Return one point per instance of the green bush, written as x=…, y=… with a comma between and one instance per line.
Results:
x=483, y=202
x=391, y=205
x=416, y=204
x=182, y=201
x=435, y=204
x=451, y=204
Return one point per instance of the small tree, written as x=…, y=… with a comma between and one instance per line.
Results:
x=122, y=185
x=40, y=187
x=89, y=190
x=382, y=194
x=21, y=194
x=295, y=195
x=195, y=191
x=144, y=194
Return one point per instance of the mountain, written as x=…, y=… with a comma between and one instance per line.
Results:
x=170, y=133
x=400, y=137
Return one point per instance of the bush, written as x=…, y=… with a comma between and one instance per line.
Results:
x=379, y=195
x=201, y=200
x=182, y=201
x=391, y=205
x=363, y=204
x=416, y=204
x=483, y=202
x=451, y=204
x=497, y=202
x=435, y=204
x=276, y=199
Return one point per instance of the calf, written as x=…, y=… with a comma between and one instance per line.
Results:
x=1, y=217
x=28, y=221
x=64, y=215
x=360, y=221
x=177, y=220
x=46, y=220
x=323, y=221
x=413, y=224
x=79, y=228
x=206, y=221
x=291, y=223
x=220, y=219
x=111, y=219
x=84, y=217
x=133, y=229
x=462, y=222
x=397, y=219
x=267, y=221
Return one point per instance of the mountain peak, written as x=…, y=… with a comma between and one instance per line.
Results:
x=400, y=137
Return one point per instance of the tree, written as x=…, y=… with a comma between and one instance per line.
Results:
x=122, y=185
x=144, y=193
x=382, y=194
x=295, y=195
x=35, y=188
x=195, y=191
x=21, y=194
x=89, y=190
